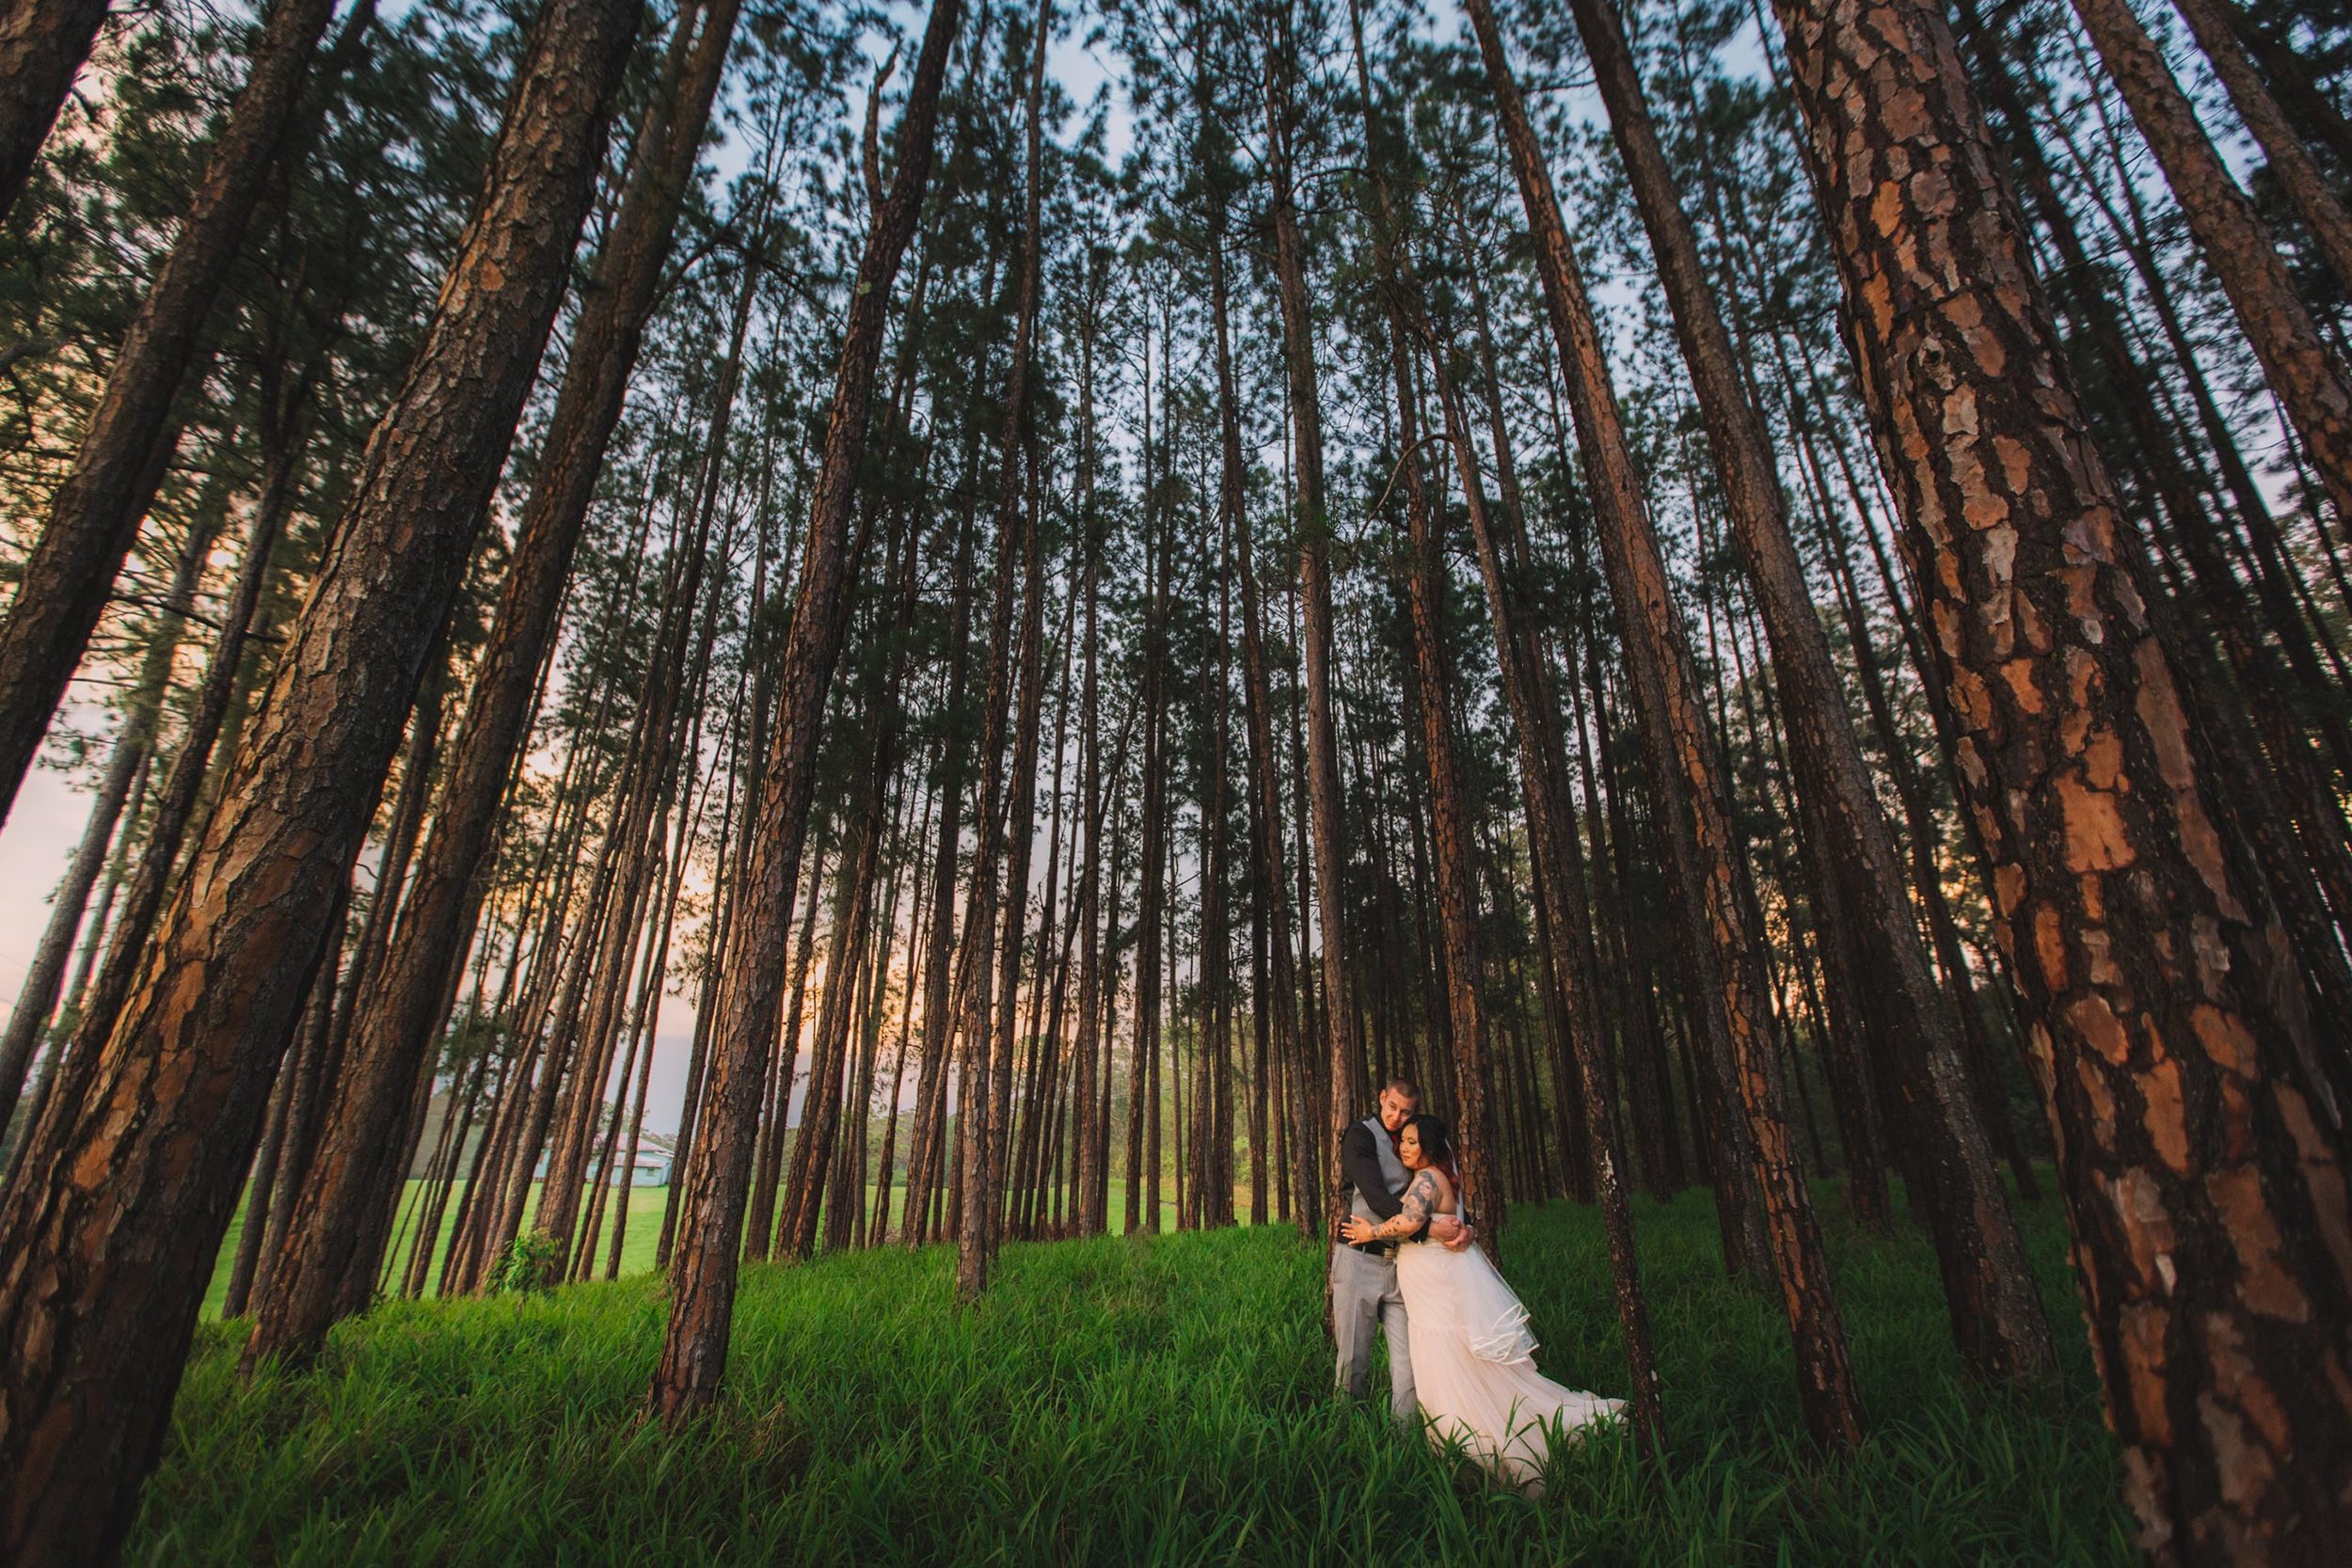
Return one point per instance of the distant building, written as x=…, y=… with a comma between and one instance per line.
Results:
x=656, y=1151
x=654, y=1155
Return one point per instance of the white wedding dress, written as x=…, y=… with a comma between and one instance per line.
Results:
x=1474, y=1364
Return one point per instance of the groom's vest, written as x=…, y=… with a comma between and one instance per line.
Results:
x=1392, y=1169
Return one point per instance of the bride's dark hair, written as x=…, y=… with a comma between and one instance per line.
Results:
x=1436, y=1144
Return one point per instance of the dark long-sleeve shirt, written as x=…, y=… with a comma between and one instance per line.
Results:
x=1360, y=1163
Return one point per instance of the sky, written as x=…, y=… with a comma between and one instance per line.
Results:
x=34, y=848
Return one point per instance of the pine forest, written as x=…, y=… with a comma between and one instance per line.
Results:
x=738, y=739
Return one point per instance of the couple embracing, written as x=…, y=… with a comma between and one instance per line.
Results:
x=1460, y=1355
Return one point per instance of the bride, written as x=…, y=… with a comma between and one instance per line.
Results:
x=1473, y=1355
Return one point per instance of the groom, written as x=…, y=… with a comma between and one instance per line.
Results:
x=1363, y=1279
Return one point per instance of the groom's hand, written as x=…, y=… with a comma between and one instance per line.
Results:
x=1451, y=1233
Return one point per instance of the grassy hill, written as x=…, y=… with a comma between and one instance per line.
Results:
x=1120, y=1401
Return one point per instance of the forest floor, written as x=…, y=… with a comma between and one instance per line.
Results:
x=1159, y=1400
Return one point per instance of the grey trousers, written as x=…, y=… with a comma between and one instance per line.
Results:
x=1364, y=1297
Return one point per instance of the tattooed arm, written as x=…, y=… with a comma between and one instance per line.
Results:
x=1412, y=1213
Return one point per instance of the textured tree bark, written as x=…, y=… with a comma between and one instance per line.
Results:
x=1696, y=823
x=2300, y=849
x=94, y=514
x=694, y=1349
x=2307, y=378
x=112, y=1235
x=2200, y=1156
x=42, y=45
x=1996, y=1314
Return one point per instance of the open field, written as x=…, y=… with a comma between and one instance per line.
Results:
x=1120, y=1401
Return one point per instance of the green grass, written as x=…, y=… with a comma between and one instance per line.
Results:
x=638, y=1242
x=1117, y=1402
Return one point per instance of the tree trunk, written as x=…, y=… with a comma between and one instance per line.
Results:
x=2236, y=243
x=1092, y=940
x=1274, y=997
x=42, y=45
x=671, y=675
x=1564, y=917
x=128, y=1201
x=1322, y=783
x=923, y=1149
x=2315, y=201
x=1997, y=1313
x=854, y=917
x=1708, y=875
x=2208, y=1202
x=94, y=514
x=76, y=1058
x=2292, y=79
x=133, y=745
x=1143, y=1184
x=2301, y=850
x=694, y=1348
x=759, y=1233
x=395, y=1020
x=820, y=1103
x=1481, y=1164
x=986, y=1026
